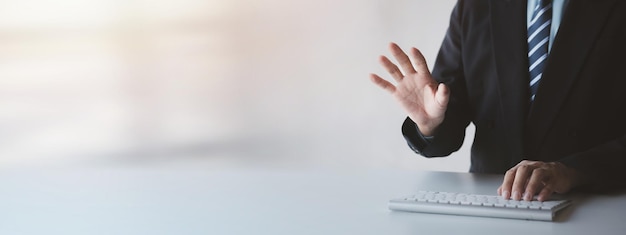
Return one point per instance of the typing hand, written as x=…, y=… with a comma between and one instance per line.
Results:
x=529, y=178
x=423, y=98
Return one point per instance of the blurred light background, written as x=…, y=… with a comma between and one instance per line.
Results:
x=280, y=83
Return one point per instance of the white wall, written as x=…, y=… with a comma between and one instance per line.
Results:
x=238, y=82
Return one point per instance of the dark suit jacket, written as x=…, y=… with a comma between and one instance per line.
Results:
x=579, y=114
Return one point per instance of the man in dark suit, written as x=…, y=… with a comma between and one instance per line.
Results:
x=544, y=82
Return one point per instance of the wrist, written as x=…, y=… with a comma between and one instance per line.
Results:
x=577, y=179
x=426, y=131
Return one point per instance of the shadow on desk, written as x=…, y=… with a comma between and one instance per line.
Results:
x=582, y=199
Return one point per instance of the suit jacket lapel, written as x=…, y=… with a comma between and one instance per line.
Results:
x=581, y=23
x=508, y=28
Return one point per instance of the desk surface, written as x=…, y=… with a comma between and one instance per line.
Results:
x=253, y=201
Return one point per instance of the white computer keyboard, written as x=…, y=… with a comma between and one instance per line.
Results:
x=477, y=205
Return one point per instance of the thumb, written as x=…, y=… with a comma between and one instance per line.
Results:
x=442, y=96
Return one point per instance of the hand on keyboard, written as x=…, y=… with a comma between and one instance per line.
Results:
x=530, y=178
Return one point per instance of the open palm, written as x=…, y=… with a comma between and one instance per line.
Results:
x=423, y=98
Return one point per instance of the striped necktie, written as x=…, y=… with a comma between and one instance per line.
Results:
x=538, y=41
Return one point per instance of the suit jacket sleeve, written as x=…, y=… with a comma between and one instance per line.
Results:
x=604, y=166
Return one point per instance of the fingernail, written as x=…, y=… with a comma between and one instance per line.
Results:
x=527, y=197
x=506, y=194
x=517, y=195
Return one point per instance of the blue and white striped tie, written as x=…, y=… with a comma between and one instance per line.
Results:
x=538, y=42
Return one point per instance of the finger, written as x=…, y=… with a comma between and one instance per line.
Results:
x=402, y=58
x=545, y=193
x=442, y=96
x=382, y=83
x=391, y=68
x=519, y=185
x=420, y=61
x=500, y=190
x=535, y=183
x=507, y=183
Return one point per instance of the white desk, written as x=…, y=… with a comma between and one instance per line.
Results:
x=199, y=201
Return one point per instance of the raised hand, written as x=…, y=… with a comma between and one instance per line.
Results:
x=423, y=98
